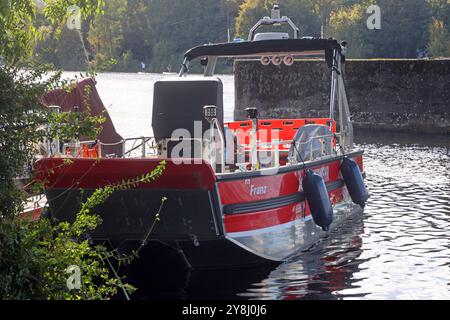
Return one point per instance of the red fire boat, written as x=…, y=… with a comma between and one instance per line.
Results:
x=238, y=193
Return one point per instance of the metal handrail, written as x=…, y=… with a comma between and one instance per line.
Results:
x=280, y=142
x=277, y=143
x=144, y=144
x=274, y=143
x=149, y=143
x=271, y=21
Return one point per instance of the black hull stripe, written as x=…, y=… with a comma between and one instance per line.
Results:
x=297, y=167
x=274, y=202
x=264, y=204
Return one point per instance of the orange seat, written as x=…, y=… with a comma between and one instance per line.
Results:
x=281, y=129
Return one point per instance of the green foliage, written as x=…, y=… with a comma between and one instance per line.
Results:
x=175, y=26
x=250, y=12
x=56, y=10
x=35, y=256
x=440, y=10
x=404, y=28
x=16, y=28
x=324, y=8
x=71, y=52
x=164, y=56
x=45, y=48
x=155, y=32
x=158, y=32
x=106, y=32
x=73, y=125
x=19, y=33
x=70, y=125
x=439, y=41
x=232, y=11
x=21, y=122
x=306, y=14
x=24, y=124
x=349, y=23
x=136, y=30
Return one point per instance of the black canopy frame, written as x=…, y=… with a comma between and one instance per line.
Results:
x=331, y=48
x=265, y=47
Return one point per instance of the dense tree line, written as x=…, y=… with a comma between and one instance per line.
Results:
x=157, y=32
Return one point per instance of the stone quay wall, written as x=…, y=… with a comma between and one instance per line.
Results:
x=396, y=95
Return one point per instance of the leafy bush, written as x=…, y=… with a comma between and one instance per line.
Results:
x=23, y=125
x=36, y=256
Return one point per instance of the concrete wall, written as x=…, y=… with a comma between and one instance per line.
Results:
x=397, y=95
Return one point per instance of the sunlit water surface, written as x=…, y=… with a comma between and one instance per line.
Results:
x=398, y=249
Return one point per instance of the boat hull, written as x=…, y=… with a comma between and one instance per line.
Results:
x=211, y=221
x=129, y=214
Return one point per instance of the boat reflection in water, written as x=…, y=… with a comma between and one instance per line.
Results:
x=162, y=280
x=318, y=273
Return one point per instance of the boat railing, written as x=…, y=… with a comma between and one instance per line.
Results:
x=147, y=147
x=143, y=146
x=273, y=147
x=82, y=149
x=140, y=146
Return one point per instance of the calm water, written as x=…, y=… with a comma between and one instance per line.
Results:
x=398, y=249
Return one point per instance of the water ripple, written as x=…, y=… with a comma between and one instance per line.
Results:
x=399, y=248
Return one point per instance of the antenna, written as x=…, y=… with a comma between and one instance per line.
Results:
x=275, y=13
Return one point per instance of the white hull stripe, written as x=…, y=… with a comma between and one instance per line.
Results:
x=276, y=228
